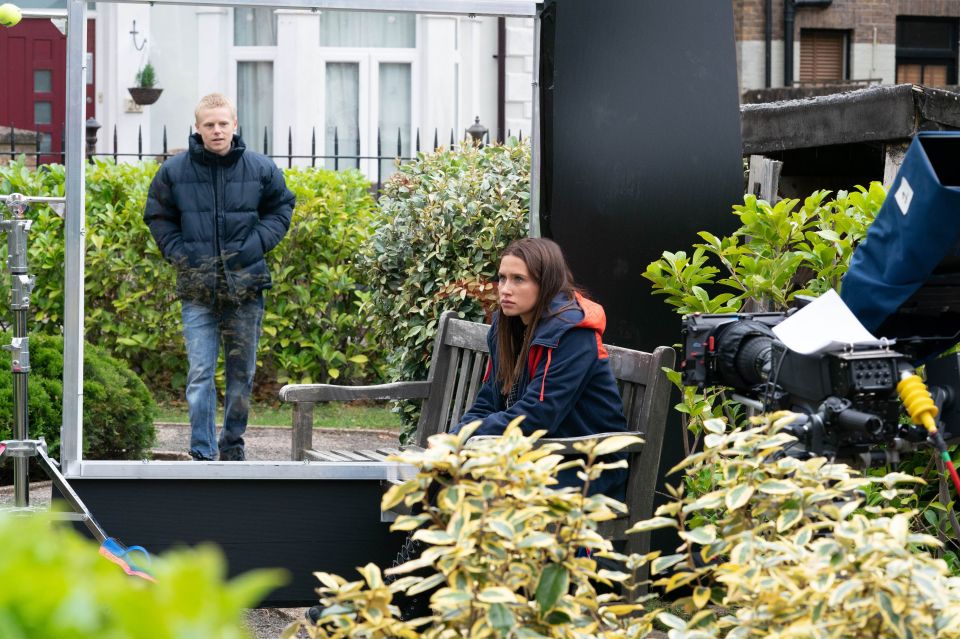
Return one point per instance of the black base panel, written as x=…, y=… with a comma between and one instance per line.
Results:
x=303, y=526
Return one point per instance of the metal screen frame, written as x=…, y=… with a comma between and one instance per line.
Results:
x=71, y=451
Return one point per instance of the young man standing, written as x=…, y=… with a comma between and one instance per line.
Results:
x=215, y=211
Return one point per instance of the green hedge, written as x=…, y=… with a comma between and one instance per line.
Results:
x=312, y=329
x=443, y=221
x=118, y=409
x=313, y=326
x=355, y=287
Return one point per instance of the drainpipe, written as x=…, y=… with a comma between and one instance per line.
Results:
x=501, y=79
x=789, y=19
x=768, y=43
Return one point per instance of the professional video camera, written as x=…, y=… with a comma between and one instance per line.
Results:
x=848, y=398
x=904, y=284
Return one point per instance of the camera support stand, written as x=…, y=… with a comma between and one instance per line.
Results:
x=21, y=448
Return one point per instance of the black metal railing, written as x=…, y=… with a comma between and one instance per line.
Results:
x=340, y=157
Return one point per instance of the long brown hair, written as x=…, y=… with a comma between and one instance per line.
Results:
x=548, y=268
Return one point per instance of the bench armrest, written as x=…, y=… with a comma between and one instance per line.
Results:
x=304, y=396
x=333, y=393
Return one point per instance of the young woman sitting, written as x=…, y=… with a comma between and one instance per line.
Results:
x=547, y=361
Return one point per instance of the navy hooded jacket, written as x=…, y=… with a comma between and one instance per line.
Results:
x=568, y=389
x=216, y=217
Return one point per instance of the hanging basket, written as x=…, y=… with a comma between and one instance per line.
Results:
x=145, y=95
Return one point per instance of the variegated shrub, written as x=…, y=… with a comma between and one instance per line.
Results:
x=793, y=551
x=782, y=548
x=507, y=552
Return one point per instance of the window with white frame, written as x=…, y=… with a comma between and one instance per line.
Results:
x=255, y=41
x=368, y=74
x=363, y=65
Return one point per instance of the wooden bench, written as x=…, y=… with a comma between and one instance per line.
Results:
x=456, y=371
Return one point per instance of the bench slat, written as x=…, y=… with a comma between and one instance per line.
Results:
x=321, y=455
x=463, y=381
x=349, y=455
x=449, y=389
x=476, y=376
x=372, y=455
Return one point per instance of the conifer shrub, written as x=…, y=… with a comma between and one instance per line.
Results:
x=118, y=409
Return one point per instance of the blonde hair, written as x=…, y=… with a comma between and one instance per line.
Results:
x=214, y=101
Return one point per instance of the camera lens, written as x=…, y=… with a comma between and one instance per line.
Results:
x=752, y=361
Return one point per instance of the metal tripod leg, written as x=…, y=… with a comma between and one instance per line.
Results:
x=24, y=450
x=21, y=449
x=69, y=494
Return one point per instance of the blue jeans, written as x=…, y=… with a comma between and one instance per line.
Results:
x=204, y=327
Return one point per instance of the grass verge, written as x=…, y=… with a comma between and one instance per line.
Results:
x=332, y=415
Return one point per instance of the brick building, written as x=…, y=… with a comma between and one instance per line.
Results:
x=820, y=42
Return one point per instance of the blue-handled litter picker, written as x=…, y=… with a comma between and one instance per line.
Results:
x=21, y=449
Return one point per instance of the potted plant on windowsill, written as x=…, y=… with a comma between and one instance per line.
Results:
x=146, y=92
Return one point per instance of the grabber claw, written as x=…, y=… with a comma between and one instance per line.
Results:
x=119, y=554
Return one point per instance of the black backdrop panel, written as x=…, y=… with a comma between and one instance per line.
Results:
x=300, y=525
x=641, y=144
x=640, y=149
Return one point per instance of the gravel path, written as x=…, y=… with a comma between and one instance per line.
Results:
x=262, y=444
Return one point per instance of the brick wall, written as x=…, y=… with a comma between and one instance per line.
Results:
x=24, y=142
x=749, y=19
x=858, y=16
x=942, y=8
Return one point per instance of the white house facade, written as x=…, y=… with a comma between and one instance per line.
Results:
x=315, y=81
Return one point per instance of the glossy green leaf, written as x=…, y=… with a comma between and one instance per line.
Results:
x=554, y=582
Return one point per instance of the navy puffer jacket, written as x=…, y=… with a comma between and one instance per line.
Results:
x=213, y=215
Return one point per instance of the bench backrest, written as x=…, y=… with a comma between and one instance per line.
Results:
x=459, y=362
x=458, y=365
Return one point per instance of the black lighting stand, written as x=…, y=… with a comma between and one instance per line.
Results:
x=21, y=448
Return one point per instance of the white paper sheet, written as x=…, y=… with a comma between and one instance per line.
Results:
x=824, y=325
